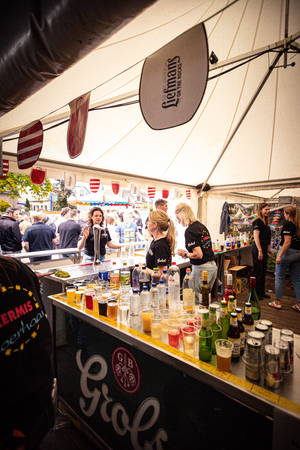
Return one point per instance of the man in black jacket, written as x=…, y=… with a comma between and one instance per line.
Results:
x=10, y=234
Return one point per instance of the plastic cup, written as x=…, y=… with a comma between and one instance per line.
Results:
x=173, y=333
x=79, y=295
x=112, y=308
x=89, y=294
x=156, y=326
x=224, y=351
x=102, y=307
x=124, y=312
x=71, y=295
x=189, y=339
x=147, y=316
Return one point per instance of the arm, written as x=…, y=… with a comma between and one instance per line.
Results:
x=112, y=245
x=26, y=246
x=284, y=248
x=85, y=233
x=139, y=235
x=57, y=239
x=196, y=253
x=258, y=244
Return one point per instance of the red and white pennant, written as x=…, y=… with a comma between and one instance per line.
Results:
x=30, y=145
x=94, y=185
x=5, y=166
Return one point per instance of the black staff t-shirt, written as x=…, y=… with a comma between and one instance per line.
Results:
x=159, y=254
x=197, y=235
x=289, y=229
x=264, y=232
x=89, y=243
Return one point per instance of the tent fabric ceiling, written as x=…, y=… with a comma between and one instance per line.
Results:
x=265, y=146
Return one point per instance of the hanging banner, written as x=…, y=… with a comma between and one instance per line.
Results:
x=177, y=193
x=4, y=164
x=173, y=80
x=151, y=192
x=37, y=175
x=70, y=180
x=165, y=193
x=77, y=125
x=30, y=145
x=94, y=185
x=188, y=194
x=115, y=185
x=134, y=190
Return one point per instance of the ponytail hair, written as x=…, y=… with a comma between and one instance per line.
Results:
x=164, y=224
x=294, y=214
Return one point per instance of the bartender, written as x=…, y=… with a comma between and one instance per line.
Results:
x=162, y=247
x=95, y=217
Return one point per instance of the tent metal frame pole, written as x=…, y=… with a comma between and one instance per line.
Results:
x=250, y=104
x=288, y=183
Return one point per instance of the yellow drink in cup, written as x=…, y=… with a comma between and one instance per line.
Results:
x=147, y=316
x=70, y=295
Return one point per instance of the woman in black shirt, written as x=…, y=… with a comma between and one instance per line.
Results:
x=95, y=217
x=163, y=245
x=199, y=248
x=260, y=248
x=288, y=257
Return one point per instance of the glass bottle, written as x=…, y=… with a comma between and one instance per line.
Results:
x=205, y=339
x=215, y=328
x=253, y=299
x=205, y=290
x=188, y=290
x=248, y=321
x=233, y=335
x=229, y=289
x=230, y=307
x=224, y=321
x=241, y=329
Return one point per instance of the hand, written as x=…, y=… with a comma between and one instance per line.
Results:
x=278, y=259
x=260, y=255
x=85, y=232
x=181, y=252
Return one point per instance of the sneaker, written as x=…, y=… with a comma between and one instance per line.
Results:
x=275, y=305
x=296, y=307
x=266, y=295
x=260, y=297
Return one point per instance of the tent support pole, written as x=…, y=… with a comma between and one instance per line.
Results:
x=258, y=90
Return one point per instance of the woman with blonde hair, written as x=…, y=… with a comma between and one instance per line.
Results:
x=163, y=245
x=199, y=247
x=260, y=248
x=288, y=257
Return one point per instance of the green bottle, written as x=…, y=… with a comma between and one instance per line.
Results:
x=215, y=328
x=224, y=321
x=205, y=339
x=253, y=299
x=231, y=307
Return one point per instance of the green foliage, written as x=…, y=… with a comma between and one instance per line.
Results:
x=4, y=205
x=16, y=184
x=62, y=195
x=27, y=207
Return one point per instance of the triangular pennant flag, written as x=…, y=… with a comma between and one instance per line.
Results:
x=30, y=145
x=134, y=190
x=165, y=193
x=37, y=175
x=94, y=185
x=151, y=192
x=70, y=180
x=77, y=125
x=188, y=194
x=115, y=185
x=173, y=80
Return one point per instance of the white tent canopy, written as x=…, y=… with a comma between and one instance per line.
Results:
x=254, y=148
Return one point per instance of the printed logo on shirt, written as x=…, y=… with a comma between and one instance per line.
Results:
x=160, y=260
x=191, y=243
x=151, y=252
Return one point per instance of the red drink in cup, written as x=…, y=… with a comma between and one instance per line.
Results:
x=173, y=338
x=89, y=300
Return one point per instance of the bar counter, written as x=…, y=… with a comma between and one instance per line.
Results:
x=127, y=390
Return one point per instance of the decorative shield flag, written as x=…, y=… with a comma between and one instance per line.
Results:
x=174, y=79
x=134, y=190
x=4, y=165
x=115, y=185
x=151, y=192
x=188, y=194
x=70, y=180
x=77, y=126
x=177, y=193
x=94, y=185
x=30, y=145
x=165, y=193
x=37, y=175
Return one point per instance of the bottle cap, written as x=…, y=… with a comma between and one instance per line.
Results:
x=252, y=282
x=161, y=281
x=135, y=291
x=238, y=310
x=165, y=271
x=144, y=288
x=153, y=284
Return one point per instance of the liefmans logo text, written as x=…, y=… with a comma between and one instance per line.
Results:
x=172, y=77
